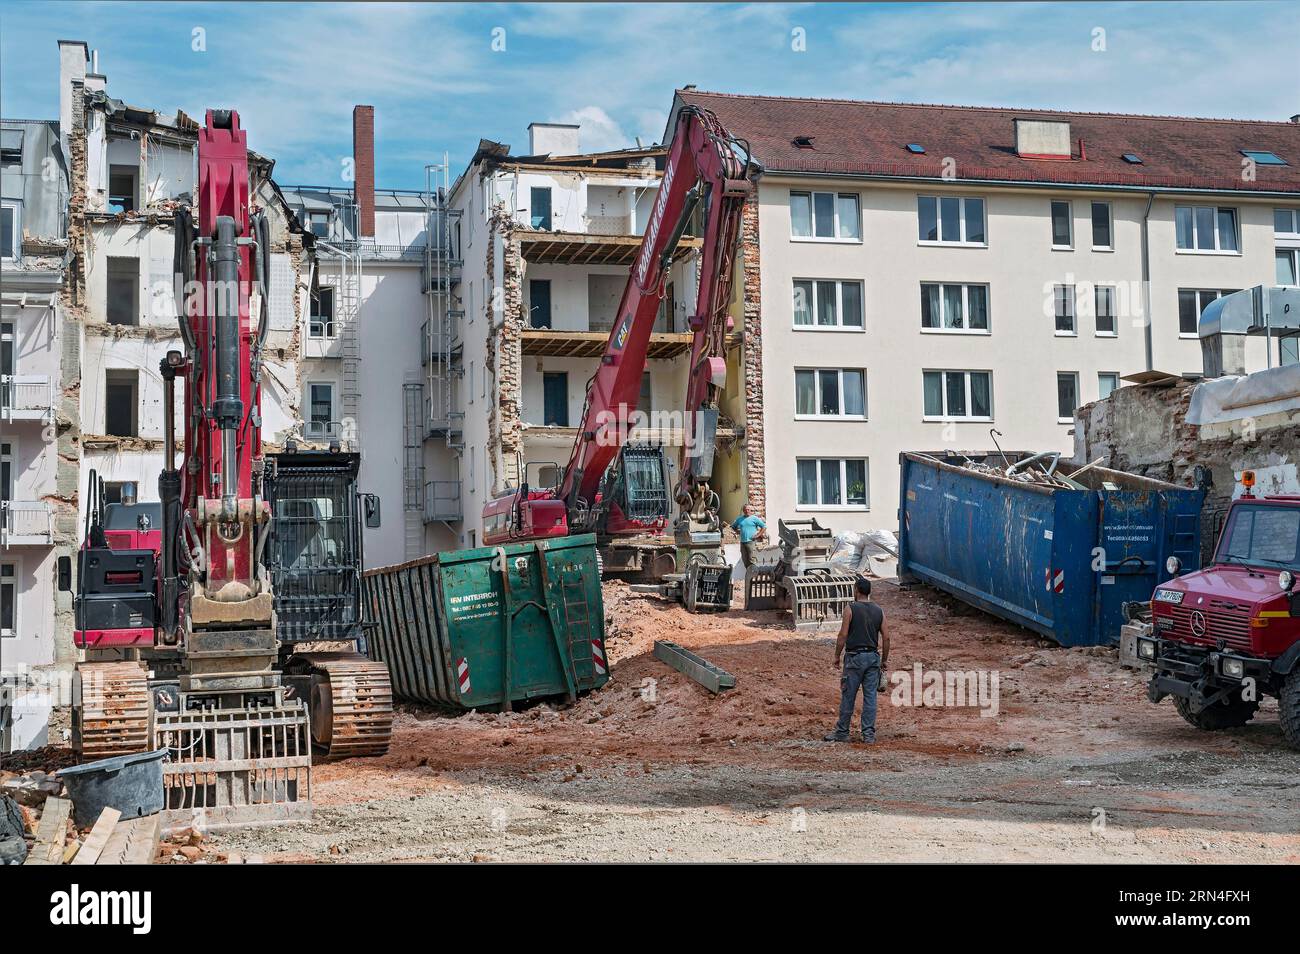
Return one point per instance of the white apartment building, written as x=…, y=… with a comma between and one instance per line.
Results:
x=33, y=230
x=928, y=274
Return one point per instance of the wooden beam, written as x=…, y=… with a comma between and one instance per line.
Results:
x=95, y=842
x=51, y=832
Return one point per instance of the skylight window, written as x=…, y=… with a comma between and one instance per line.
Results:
x=1262, y=157
x=1133, y=158
x=916, y=147
x=803, y=142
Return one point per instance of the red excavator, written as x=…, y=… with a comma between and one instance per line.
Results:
x=615, y=489
x=222, y=623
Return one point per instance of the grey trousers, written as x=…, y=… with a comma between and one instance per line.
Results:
x=861, y=673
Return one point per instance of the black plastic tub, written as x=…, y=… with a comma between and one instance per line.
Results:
x=130, y=783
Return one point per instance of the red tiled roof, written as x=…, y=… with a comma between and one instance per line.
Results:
x=866, y=138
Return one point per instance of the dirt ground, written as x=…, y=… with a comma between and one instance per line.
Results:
x=1075, y=765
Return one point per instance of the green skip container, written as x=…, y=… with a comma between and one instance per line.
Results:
x=493, y=626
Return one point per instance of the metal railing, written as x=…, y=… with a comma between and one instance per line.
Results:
x=442, y=501
x=25, y=396
x=322, y=430
x=24, y=519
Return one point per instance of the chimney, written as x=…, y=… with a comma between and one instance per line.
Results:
x=73, y=57
x=363, y=160
x=553, y=139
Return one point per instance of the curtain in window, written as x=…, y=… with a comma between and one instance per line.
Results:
x=952, y=310
x=1183, y=226
x=806, y=479
x=933, y=388
x=849, y=218
x=800, y=214
x=980, y=399
x=826, y=303
x=930, y=310
x=955, y=387
x=803, y=303
x=1228, y=230
x=855, y=480
x=831, y=495
x=851, y=292
x=805, y=392
x=1204, y=228
x=855, y=399
x=977, y=299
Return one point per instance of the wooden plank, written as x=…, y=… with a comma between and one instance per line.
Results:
x=94, y=844
x=51, y=833
x=711, y=677
x=133, y=842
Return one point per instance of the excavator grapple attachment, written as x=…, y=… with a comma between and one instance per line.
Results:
x=798, y=576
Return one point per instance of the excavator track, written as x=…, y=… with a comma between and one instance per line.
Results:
x=351, y=705
x=113, y=718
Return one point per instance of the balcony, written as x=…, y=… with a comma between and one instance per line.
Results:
x=609, y=225
x=321, y=340
x=28, y=397
x=577, y=248
x=442, y=501
x=26, y=523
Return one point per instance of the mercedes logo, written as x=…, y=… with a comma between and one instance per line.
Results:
x=1198, y=623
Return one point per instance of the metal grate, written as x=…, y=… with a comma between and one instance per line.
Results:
x=236, y=766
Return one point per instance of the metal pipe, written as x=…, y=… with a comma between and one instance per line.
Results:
x=169, y=493
x=227, y=405
x=1146, y=280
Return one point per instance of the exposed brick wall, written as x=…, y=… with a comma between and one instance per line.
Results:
x=755, y=455
x=363, y=157
x=504, y=356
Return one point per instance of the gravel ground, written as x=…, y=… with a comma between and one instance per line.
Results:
x=1075, y=765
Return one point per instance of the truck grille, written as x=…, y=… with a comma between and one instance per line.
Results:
x=1230, y=625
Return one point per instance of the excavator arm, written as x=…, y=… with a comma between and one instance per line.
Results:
x=707, y=170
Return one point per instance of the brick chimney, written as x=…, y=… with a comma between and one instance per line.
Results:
x=363, y=159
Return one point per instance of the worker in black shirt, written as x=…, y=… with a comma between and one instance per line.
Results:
x=865, y=648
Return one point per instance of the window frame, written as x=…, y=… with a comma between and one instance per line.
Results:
x=836, y=196
x=311, y=403
x=963, y=199
x=1107, y=374
x=9, y=580
x=1217, y=250
x=1217, y=292
x=109, y=277
x=1073, y=300
x=109, y=374
x=839, y=325
x=844, y=485
x=945, y=417
x=1110, y=225
x=15, y=208
x=1074, y=378
x=549, y=225
x=965, y=329
x=327, y=324
x=817, y=395
x=1096, y=311
x=1069, y=224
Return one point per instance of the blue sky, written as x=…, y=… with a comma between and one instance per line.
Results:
x=437, y=83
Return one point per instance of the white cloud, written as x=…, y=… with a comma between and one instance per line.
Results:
x=599, y=133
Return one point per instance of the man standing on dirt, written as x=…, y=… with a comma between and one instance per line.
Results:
x=752, y=529
x=865, y=647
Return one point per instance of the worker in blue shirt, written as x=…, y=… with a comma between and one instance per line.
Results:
x=751, y=529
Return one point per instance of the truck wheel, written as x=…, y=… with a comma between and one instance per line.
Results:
x=1288, y=702
x=1221, y=715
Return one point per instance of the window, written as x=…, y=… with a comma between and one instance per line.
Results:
x=11, y=231
x=318, y=223
x=322, y=313
x=113, y=490
x=122, y=188
x=1101, y=226
x=1205, y=228
x=1062, y=227
x=1104, y=310
x=954, y=307
x=121, y=395
x=1132, y=158
x=827, y=304
x=8, y=601
x=958, y=394
x=555, y=399
x=829, y=216
x=950, y=220
x=124, y=291
x=1191, y=302
x=1260, y=534
x=539, y=302
x=1067, y=395
x=321, y=409
x=1107, y=384
x=830, y=392
x=832, y=482
x=540, y=203
x=1262, y=157
x=1063, y=308
x=7, y=363
x=1288, y=266
x=1286, y=233
x=1286, y=223
x=7, y=471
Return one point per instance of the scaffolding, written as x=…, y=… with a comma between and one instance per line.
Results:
x=344, y=248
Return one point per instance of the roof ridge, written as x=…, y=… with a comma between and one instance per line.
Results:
x=988, y=109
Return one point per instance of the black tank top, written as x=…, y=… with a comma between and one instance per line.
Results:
x=864, y=627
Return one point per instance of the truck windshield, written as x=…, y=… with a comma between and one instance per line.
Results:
x=1262, y=534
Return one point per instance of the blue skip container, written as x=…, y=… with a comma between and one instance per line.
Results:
x=133, y=784
x=1061, y=561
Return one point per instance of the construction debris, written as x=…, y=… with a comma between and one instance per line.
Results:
x=711, y=677
x=51, y=834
